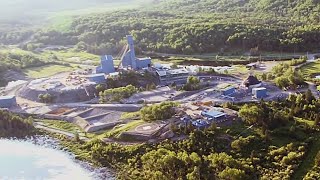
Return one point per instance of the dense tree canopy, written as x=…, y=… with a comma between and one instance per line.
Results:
x=155, y=112
x=14, y=126
x=193, y=26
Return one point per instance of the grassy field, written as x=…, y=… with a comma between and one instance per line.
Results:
x=70, y=127
x=116, y=131
x=63, y=125
x=311, y=69
x=72, y=56
x=239, y=71
x=48, y=70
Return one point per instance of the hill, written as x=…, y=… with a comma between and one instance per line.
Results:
x=195, y=26
x=18, y=11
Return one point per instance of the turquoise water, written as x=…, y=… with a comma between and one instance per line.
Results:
x=23, y=160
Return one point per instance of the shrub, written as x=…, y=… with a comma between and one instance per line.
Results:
x=162, y=111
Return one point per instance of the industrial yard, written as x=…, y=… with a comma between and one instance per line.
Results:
x=73, y=97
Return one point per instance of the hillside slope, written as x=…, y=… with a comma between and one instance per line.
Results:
x=20, y=11
x=197, y=26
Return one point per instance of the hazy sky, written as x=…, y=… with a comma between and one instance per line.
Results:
x=20, y=10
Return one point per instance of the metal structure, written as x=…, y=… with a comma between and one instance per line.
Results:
x=129, y=60
x=107, y=65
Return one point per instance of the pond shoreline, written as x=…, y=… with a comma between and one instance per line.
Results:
x=53, y=143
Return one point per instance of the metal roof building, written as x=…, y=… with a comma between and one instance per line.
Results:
x=200, y=123
x=259, y=93
x=107, y=65
x=228, y=91
x=7, y=101
x=212, y=114
x=97, y=78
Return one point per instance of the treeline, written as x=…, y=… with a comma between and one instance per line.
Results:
x=197, y=27
x=285, y=75
x=276, y=114
x=270, y=143
x=117, y=94
x=15, y=126
x=14, y=36
x=205, y=154
x=156, y=112
x=17, y=60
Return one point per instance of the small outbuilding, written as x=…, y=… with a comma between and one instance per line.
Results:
x=252, y=65
x=97, y=78
x=200, y=123
x=259, y=93
x=251, y=82
x=228, y=91
x=7, y=101
x=213, y=115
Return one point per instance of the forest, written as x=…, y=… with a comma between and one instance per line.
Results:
x=189, y=27
x=12, y=125
x=282, y=143
x=18, y=60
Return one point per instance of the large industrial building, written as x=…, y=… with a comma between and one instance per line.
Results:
x=129, y=59
x=174, y=75
x=7, y=101
x=106, y=66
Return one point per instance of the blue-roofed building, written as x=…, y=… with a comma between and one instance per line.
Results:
x=213, y=115
x=107, y=65
x=259, y=93
x=7, y=101
x=200, y=123
x=228, y=91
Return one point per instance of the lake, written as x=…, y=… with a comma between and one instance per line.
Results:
x=40, y=159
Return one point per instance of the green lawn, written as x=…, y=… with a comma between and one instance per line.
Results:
x=311, y=69
x=48, y=70
x=63, y=125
